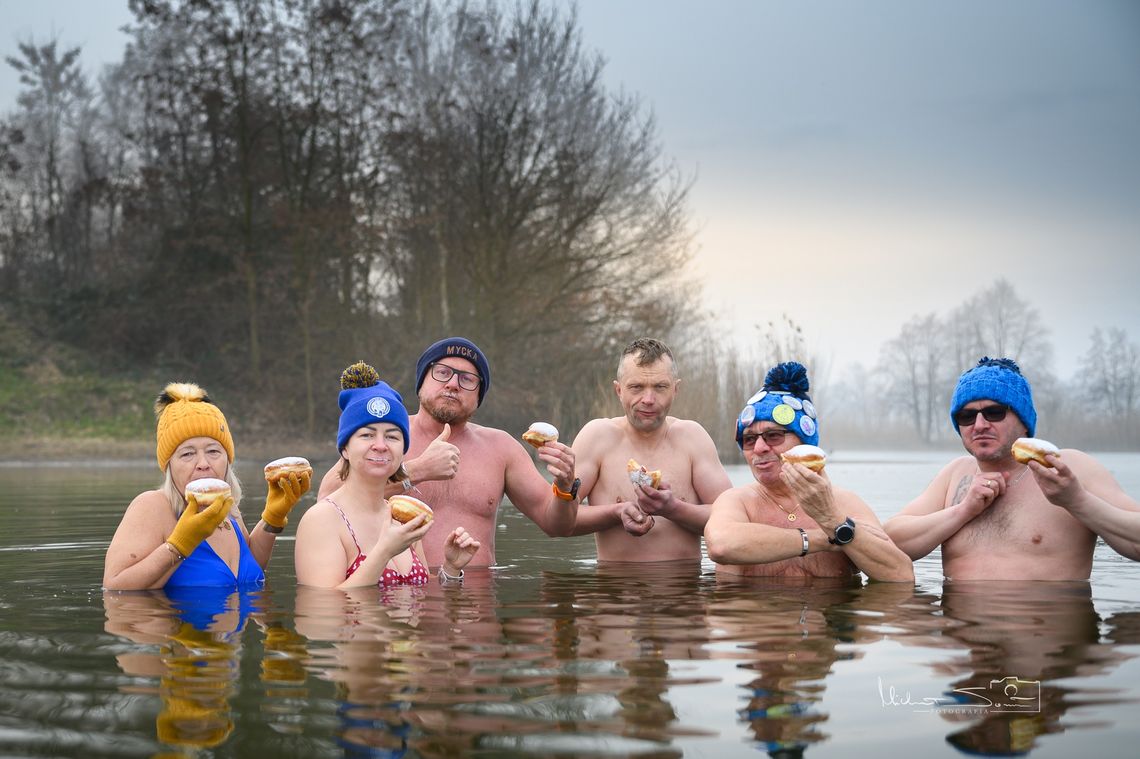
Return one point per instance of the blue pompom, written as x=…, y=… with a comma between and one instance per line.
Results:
x=1005, y=363
x=789, y=376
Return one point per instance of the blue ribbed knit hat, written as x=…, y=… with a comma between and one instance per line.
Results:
x=1000, y=380
x=460, y=347
x=366, y=400
x=783, y=400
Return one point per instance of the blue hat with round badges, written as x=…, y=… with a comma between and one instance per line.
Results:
x=784, y=400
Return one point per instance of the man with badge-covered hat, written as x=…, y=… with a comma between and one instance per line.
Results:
x=462, y=469
x=791, y=522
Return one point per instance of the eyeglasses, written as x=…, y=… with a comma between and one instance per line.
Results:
x=772, y=438
x=967, y=417
x=444, y=373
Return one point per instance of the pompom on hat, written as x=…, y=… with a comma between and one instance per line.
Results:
x=459, y=347
x=184, y=411
x=784, y=400
x=365, y=400
x=1000, y=380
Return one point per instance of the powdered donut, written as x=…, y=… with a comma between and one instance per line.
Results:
x=540, y=433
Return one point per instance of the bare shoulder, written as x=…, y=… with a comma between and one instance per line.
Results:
x=151, y=504
x=734, y=498
x=689, y=431
x=958, y=467
x=599, y=432
x=491, y=444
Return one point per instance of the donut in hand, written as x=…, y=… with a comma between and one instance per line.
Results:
x=540, y=433
x=279, y=468
x=639, y=475
x=813, y=457
x=405, y=508
x=1026, y=449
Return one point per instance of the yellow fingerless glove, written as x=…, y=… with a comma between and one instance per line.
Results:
x=194, y=526
x=283, y=496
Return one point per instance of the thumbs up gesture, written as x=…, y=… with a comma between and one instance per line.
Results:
x=439, y=461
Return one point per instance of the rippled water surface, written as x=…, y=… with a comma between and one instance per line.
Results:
x=550, y=654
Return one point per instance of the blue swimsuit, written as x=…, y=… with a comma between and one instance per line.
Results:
x=203, y=567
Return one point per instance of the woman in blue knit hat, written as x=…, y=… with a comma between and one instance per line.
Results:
x=349, y=538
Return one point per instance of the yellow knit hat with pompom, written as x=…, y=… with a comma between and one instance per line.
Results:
x=184, y=411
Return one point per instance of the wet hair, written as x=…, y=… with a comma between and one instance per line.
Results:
x=646, y=351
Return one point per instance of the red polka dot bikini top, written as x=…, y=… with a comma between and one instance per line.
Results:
x=417, y=575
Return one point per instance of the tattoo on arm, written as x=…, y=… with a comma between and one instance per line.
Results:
x=963, y=488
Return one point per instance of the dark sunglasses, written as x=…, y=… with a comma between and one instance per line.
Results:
x=966, y=417
x=772, y=438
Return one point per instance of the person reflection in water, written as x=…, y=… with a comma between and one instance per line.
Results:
x=1025, y=643
x=790, y=637
x=791, y=521
x=197, y=633
x=399, y=665
x=165, y=539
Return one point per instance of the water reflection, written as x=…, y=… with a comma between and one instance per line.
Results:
x=1022, y=641
x=193, y=642
x=791, y=632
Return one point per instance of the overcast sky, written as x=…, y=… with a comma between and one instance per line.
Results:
x=858, y=164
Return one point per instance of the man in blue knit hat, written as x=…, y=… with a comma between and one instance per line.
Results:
x=463, y=469
x=791, y=522
x=995, y=522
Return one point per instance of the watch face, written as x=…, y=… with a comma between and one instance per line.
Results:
x=845, y=532
x=575, y=486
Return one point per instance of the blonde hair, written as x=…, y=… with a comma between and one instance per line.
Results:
x=177, y=499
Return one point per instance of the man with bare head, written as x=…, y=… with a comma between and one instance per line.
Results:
x=462, y=469
x=998, y=519
x=640, y=522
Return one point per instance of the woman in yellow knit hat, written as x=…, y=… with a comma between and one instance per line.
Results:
x=166, y=537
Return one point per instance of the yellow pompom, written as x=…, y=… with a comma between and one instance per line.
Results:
x=178, y=391
x=358, y=375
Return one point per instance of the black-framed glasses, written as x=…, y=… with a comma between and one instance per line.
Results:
x=443, y=373
x=772, y=438
x=967, y=417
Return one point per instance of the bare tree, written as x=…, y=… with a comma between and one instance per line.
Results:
x=1110, y=380
x=915, y=364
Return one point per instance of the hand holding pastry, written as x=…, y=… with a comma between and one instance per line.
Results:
x=208, y=503
x=639, y=475
x=289, y=479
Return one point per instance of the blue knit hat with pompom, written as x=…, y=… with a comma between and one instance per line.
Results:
x=995, y=379
x=784, y=400
x=365, y=400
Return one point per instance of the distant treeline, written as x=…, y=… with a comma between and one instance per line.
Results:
x=262, y=192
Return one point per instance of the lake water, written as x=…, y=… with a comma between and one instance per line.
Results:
x=549, y=654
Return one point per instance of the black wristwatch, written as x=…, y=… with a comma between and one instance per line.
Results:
x=572, y=494
x=844, y=533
